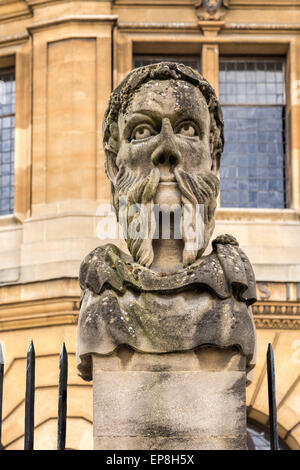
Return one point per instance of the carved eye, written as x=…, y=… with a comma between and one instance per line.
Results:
x=142, y=132
x=187, y=129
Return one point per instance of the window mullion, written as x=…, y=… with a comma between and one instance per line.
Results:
x=210, y=65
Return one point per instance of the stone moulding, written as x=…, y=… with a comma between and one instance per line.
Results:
x=267, y=28
x=14, y=39
x=71, y=19
x=44, y=312
x=277, y=315
x=277, y=323
x=276, y=308
x=8, y=14
x=157, y=25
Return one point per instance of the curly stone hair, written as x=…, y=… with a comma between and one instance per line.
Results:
x=123, y=93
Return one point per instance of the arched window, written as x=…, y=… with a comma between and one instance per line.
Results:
x=258, y=437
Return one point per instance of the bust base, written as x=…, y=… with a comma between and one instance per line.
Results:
x=181, y=400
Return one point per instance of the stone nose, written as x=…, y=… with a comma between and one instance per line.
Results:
x=166, y=156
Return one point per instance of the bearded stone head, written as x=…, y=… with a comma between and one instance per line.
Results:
x=163, y=140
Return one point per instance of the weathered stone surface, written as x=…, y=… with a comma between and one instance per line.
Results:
x=166, y=333
x=169, y=443
x=172, y=408
x=125, y=303
x=207, y=358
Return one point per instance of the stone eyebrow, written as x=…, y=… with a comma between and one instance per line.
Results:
x=148, y=112
x=151, y=114
x=138, y=115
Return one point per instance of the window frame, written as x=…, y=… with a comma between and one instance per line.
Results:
x=19, y=57
x=9, y=70
x=265, y=58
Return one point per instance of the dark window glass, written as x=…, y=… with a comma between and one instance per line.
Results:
x=191, y=61
x=7, y=130
x=253, y=162
x=258, y=438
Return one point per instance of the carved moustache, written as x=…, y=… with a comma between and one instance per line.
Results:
x=133, y=197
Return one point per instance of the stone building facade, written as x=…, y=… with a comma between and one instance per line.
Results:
x=59, y=60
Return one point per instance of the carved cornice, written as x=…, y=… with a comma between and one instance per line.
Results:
x=277, y=315
x=39, y=313
x=173, y=26
x=38, y=26
x=276, y=308
x=266, y=27
x=264, y=3
x=277, y=323
x=11, y=10
x=39, y=304
x=13, y=40
x=41, y=3
x=268, y=4
x=216, y=26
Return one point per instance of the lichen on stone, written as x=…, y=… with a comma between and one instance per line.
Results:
x=123, y=93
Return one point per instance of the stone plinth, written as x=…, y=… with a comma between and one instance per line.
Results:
x=180, y=400
x=169, y=354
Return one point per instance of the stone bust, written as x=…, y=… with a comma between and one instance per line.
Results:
x=163, y=140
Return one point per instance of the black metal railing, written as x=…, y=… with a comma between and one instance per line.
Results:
x=29, y=399
x=272, y=399
x=30, y=393
x=62, y=398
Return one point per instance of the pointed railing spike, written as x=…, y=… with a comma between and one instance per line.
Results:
x=1, y=354
x=29, y=398
x=62, y=399
x=1, y=390
x=272, y=399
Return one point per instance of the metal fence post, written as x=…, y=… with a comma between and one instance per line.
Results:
x=272, y=399
x=62, y=399
x=29, y=398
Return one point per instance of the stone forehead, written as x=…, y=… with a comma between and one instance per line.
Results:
x=176, y=85
x=175, y=91
x=164, y=71
x=123, y=93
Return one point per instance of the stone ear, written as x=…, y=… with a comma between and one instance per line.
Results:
x=215, y=161
x=214, y=166
x=111, y=166
x=111, y=151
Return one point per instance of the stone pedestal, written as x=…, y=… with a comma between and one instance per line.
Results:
x=169, y=354
x=180, y=400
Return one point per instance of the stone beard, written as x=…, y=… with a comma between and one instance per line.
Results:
x=200, y=189
x=163, y=138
